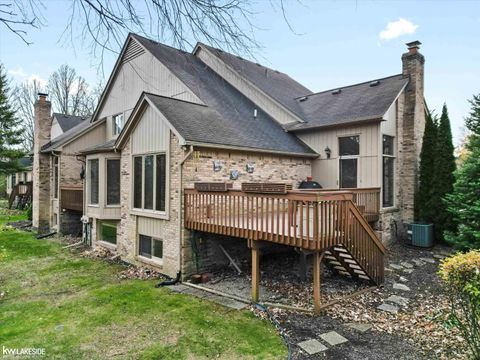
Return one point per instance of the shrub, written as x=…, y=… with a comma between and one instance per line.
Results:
x=461, y=275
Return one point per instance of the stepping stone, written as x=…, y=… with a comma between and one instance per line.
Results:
x=406, y=265
x=428, y=260
x=403, y=287
x=418, y=262
x=227, y=302
x=312, y=346
x=396, y=267
x=59, y=328
x=360, y=327
x=399, y=300
x=408, y=271
x=439, y=256
x=333, y=338
x=193, y=292
x=388, y=308
x=402, y=279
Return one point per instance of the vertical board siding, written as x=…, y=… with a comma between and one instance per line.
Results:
x=326, y=171
x=151, y=227
x=151, y=134
x=142, y=73
x=93, y=137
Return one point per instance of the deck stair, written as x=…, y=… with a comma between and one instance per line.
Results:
x=328, y=224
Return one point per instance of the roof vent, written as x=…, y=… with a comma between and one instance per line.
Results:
x=336, y=92
x=375, y=83
x=303, y=98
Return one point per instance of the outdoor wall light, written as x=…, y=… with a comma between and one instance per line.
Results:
x=328, y=152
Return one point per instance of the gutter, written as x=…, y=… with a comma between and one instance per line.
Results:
x=241, y=148
x=180, y=204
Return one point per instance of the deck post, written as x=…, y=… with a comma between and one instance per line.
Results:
x=255, y=269
x=317, y=260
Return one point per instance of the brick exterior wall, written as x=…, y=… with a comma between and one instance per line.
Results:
x=41, y=167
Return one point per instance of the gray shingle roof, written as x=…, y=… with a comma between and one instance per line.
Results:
x=106, y=146
x=66, y=136
x=277, y=85
x=26, y=162
x=360, y=102
x=228, y=118
x=67, y=122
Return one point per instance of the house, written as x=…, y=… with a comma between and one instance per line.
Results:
x=172, y=128
x=19, y=185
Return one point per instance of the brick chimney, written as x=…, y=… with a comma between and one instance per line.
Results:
x=410, y=128
x=41, y=165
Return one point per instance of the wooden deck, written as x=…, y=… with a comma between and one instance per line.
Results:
x=333, y=224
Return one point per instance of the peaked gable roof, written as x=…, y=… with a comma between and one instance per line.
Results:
x=279, y=86
x=199, y=124
x=366, y=101
x=66, y=122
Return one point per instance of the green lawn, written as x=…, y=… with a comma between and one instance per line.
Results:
x=78, y=308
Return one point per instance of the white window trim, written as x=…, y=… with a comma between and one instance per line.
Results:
x=89, y=182
x=165, y=215
x=114, y=126
x=394, y=157
x=347, y=157
x=153, y=260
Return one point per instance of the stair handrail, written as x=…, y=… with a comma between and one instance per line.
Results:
x=359, y=216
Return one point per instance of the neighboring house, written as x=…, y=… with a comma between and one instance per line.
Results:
x=169, y=119
x=19, y=185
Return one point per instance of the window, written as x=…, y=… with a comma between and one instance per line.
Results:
x=25, y=177
x=14, y=180
x=113, y=181
x=149, y=188
x=108, y=232
x=117, y=124
x=349, y=150
x=388, y=171
x=349, y=145
x=93, y=178
x=150, y=247
x=55, y=177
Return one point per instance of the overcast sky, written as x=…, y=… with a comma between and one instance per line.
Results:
x=333, y=44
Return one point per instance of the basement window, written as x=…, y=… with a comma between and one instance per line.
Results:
x=108, y=232
x=150, y=248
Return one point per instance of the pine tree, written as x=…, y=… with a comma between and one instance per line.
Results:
x=443, y=175
x=10, y=130
x=464, y=201
x=423, y=209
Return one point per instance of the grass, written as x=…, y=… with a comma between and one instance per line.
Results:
x=78, y=308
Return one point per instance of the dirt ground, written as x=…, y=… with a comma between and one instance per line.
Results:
x=417, y=331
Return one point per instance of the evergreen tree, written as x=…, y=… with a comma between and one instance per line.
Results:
x=424, y=211
x=464, y=201
x=10, y=130
x=443, y=175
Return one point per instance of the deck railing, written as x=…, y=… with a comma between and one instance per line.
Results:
x=21, y=190
x=305, y=219
x=71, y=198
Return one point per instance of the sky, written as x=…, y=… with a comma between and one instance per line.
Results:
x=333, y=44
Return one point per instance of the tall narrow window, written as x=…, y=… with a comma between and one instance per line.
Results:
x=14, y=180
x=93, y=167
x=388, y=171
x=150, y=185
x=160, y=183
x=117, y=124
x=113, y=181
x=348, y=151
x=55, y=177
x=137, y=182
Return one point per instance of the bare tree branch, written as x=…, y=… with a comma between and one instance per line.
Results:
x=20, y=15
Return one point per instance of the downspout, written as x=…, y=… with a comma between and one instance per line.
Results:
x=180, y=203
x=59, y=196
